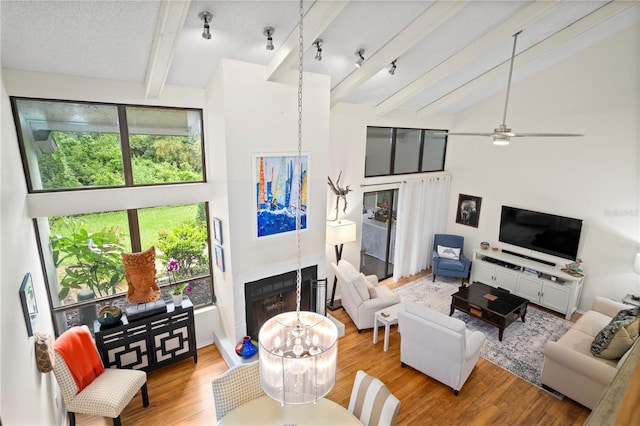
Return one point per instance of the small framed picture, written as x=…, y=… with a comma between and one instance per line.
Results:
x=28, y=300
x=217, y=230
x=219, y=253
x=468, y=211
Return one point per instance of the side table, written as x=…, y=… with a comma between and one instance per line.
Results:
x=628, y=300
x=386, y=317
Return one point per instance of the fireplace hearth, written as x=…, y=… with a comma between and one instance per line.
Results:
x=268, y=297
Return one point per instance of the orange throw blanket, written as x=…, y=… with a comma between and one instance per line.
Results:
x=77, y=349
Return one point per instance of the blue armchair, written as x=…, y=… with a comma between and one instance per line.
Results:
x=445, y=263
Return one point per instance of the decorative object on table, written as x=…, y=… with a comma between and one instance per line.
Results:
x=28, y=301
x=140, y=273
x=176, y=291
x=484, y=245
x=468, y=212
x=276, y=198
x=217, y=230
x=219, y=254
x=573, y=268
x=44, y=355
x=341, y=193
x=304, y=345
x=339, y=232
x=246, y=348
x=109, y=316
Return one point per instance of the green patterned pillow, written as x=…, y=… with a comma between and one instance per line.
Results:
x=617, y=337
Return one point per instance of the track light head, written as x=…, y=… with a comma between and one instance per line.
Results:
x=392, y=70
x=206, y=17
x=360, y=54
x=318, y=45
x=268, y=32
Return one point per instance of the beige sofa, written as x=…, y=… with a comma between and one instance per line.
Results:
x=570, y=368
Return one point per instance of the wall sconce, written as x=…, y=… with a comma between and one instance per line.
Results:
x=392, y=70
x=268, y=32
x=318, y=45
x=360, y=54
x=206, y=17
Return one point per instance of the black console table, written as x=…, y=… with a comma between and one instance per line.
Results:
x=151, y=342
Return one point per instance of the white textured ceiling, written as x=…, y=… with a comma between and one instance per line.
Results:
x=450, y=54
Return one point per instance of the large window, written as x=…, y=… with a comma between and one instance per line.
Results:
x=395, y=151
x=80, y=146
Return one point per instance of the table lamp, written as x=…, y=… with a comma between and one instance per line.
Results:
x=338, y=233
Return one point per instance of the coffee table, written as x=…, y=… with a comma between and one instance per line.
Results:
x=386, y=317
x=494, y=306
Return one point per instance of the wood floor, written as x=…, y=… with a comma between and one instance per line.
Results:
x=181, y=393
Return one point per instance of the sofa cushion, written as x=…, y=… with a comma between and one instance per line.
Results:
x=450, y=265
x=615, y=339
x=373, y=293
x=591, y=323
x=581, y=342
x=445, y=252
x=361, y=287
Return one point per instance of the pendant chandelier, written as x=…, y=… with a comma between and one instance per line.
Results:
x=298, y=350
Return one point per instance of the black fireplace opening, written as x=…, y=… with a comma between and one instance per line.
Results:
x=268, y=297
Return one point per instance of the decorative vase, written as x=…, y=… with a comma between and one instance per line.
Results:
x=246, y=348
x=177, y=299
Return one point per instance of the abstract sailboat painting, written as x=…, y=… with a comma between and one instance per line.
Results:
x=277, y=182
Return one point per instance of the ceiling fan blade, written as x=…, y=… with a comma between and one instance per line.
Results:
x=522, y=135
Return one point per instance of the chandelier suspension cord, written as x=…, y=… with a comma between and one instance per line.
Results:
x=299, y=166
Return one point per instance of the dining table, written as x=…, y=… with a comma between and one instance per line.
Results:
x=267, y=411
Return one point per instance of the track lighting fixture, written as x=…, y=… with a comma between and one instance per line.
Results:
x=392, y=70
x=318, y=45
x=206, y=17
x=360, y=54
x=268, y=32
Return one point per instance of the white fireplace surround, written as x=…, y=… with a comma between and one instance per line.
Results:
x=226, y=344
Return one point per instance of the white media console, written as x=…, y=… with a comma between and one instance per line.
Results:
x=541, y=284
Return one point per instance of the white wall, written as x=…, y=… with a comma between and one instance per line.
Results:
x=594, y=178
x=27, y=395
x=262, y=117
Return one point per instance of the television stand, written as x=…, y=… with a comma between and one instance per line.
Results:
x=524, y=256
x=540, y=284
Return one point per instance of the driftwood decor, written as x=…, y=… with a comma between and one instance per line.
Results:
x=341, y=193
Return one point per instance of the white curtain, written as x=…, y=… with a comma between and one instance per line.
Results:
x=422, y=209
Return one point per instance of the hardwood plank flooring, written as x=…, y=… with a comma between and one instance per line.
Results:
x=181, y=394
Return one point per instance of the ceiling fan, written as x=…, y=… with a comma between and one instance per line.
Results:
x=503, y=134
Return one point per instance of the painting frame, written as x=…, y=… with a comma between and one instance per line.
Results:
x=274, y=193
x=219, y=257
x=217, y=230
x=28, y=302
x=468, y=210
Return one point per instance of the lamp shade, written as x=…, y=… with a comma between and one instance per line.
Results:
x=340, y=232
x=298, y=355
x=636, y=264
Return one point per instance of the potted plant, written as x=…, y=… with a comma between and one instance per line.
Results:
x=176, y=290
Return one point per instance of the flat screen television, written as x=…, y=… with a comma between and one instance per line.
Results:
x=542, y=232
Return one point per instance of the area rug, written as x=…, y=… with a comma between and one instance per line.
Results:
x=521, y=350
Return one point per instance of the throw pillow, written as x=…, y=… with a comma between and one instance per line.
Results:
x=448, y=252
x=361, y=287
x=617, y=337
x=373, y=293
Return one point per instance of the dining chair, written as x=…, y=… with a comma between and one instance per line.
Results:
x=236, y=386
x=86, y=386
x=371, y=402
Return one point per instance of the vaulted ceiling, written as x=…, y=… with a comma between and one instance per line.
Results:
x=449, y=54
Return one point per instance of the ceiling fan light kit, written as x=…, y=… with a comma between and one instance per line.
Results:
x=502, y=135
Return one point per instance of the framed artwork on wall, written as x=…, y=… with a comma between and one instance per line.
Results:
x=468, y=211
x=217, y=230
x=28, y=301
x=219, y=255
x=275, y=183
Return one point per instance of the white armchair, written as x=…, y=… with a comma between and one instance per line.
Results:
x=437, y=345
x=359, y=300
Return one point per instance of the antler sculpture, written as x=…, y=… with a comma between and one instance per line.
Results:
x=340, y=193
